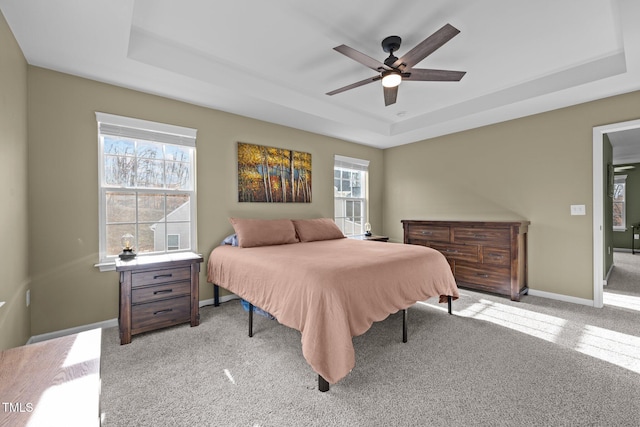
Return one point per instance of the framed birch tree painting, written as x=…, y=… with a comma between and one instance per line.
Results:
x=273, y=175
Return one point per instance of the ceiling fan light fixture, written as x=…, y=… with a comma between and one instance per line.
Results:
x=391, y=79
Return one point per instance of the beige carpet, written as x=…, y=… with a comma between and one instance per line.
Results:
x=494, y=362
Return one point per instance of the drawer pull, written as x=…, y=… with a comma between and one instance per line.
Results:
x=163, y=311
x=495, y=255
x=427, y=233
x=452, y=251
x=484, y=275
x=480, y=236
x=162, y=276
x=164, y=291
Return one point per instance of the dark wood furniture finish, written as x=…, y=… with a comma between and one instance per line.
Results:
x=487, y=256
x=373, y=237
x=54, y=382
x=158, y=291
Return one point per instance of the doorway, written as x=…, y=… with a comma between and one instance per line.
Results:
x=599, y=178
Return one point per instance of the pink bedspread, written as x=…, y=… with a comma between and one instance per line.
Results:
x=332, y=290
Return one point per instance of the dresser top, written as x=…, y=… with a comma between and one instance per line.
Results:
x=157, y=260
x=468, y=223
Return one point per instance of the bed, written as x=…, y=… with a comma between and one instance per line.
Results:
x=328, y=287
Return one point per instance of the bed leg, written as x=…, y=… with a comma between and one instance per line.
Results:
x=250, y=320
x=216, y=295
x=323, y=385
x=449, y=299
x=404, y=325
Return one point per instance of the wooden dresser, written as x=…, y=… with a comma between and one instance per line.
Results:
x=487, y=256
x=158, y=291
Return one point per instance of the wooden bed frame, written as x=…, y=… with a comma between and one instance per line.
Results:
x=323, y=385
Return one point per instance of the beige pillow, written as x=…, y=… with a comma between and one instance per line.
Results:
x=309, y=230
x=263, y=232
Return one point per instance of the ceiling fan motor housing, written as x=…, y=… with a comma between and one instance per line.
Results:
x=391, y=44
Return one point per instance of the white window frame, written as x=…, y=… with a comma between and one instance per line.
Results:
x=149, y=131
x=621, y=179
x=353, y=164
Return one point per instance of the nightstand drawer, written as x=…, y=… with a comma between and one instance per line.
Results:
x=160, y=276
x=159, y=314
x=153, y=293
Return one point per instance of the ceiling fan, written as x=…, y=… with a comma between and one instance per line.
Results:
x=393, y=71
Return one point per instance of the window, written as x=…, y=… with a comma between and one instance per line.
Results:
x=350, y=191
x=147, y=186
x=619, y=202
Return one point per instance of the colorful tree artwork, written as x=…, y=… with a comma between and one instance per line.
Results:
x=273, y=175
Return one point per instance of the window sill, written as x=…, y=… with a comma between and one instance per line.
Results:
x=620, y=229
x=106, y=266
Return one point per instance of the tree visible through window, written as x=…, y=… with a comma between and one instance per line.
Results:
x=147, y=186
x=619, y=195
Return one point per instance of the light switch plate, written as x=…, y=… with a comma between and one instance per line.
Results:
x=578, y=210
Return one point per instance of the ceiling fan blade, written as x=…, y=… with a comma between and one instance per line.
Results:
x=423, y=74
x=426, y=47
x=365, y=60
x=390, y=95
x=355, y=85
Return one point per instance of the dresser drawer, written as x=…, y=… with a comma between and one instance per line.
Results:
x=159, y=314
x=457, y=252
x=496, y=256
x=478, y=236
x=497, y=278
x=153, y=293
x=160, y=276
x=429, y=232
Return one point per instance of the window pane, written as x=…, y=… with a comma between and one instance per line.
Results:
x=119, y=170
x=114, y=237
x=177, y=153
x=119, y=146
x=146, y=237
x=178, y=208
x=150, y=173
x=150, y=150
x=178, y=175
x=618, y=214
x=121, y=207
x=151, y=207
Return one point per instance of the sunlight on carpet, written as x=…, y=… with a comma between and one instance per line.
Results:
x=605, y=344
x=614, y=347
x=622, y=301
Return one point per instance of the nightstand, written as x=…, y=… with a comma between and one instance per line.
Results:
x=373, y=237
x=158, y=291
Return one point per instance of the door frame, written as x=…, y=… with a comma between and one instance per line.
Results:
x=598, y=208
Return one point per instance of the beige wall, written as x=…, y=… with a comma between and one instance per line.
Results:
x=14, y=255
x=532, y=168
x=67, y=289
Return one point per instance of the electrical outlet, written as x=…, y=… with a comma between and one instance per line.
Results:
x=28, y=297
x=636, y=236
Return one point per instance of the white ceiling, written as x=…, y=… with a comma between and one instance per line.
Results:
x=274, y=60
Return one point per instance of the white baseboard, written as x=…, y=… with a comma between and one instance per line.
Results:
x=106, y=323
x=64, y=332
x=560, y=297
